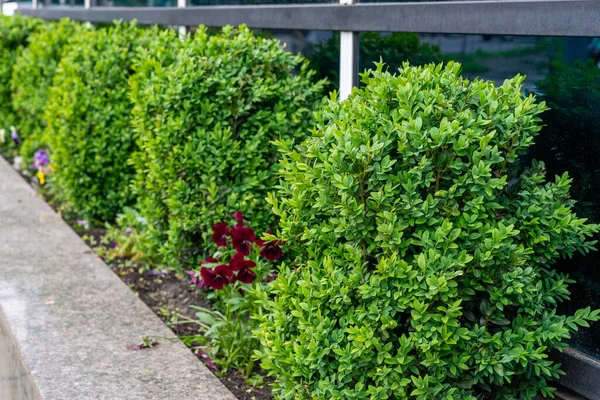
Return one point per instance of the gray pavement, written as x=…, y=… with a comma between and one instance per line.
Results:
x=69, y=319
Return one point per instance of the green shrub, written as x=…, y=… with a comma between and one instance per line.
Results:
x=14, y=34
x=204, y=118
x=88, y=121
x=394, y=48
x=424, y=255
x=32, y=77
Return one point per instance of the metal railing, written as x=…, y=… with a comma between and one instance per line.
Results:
x=510, y=17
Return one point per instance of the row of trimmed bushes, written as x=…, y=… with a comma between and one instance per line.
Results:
x=420, y=256
x=134, y=116
x=179, y=128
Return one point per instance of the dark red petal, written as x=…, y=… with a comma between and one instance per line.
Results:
x=220, y=233
x=246, y=276
x=239, y=217
x=208, y=275
x=249, y=264
x=221, y=228
x=236, y=262
x=243, y=248
x=271, y=252
x=224, y=270
x=243, y=233
x=218, y=283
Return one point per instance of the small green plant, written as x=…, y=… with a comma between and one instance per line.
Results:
x=240, y=268
x=32, y=76
x=395, y=48
x=122, y=237
x=14, y=35
x=206, y=111
x=424, y=251
x=88, y=125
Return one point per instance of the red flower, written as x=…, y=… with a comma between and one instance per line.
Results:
x=246, y=275
x=217, y=278
x=270, y=250
x=242, y=239
x=239, y=217
x=238, y=262
x=220, y=233
x=209, y=260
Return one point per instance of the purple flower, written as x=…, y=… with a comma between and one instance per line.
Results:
x=113, y=245
x=14, y=135
x=83, y=223
x=127, y=231
x=41, y=159
x=197, y=280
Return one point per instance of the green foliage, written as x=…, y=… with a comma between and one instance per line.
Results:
x=14, y=34
x=32, y=77
x=394, y=48
x=206, y=110
x=425, y=253
x=229, y=276
x=88, y=121
x=230, y=324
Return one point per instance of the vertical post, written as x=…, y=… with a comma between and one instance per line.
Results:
x=182, y=29
x=348, y=60
x=35, y=4
x=88, y=4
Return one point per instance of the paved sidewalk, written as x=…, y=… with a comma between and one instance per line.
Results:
x=72, y=318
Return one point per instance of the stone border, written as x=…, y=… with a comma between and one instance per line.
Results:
x=71, y=318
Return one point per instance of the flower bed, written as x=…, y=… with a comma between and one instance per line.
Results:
x=354, y=250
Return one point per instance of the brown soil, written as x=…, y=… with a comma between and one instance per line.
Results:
x=167, y=294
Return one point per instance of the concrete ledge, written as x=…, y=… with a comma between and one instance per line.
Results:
x=69, y=318
x=582, y=373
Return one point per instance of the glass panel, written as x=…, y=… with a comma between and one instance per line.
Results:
x=67, y=3
x=322, y=48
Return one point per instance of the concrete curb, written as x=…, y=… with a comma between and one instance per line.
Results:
x=70, y=318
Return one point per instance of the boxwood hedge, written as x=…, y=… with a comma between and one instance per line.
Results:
x=32, y=76
x=88, y=119
x=14, y=34
x=424, y=250
x=205, y=114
